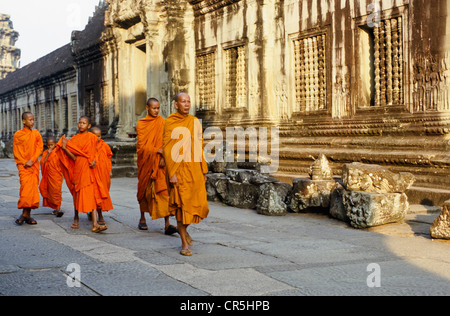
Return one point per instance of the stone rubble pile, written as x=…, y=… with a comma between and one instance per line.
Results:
x=365, y=196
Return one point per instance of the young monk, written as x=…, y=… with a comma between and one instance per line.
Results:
x=152, y=195
x=27, y=147
x=52, y=178
x=103, y=174
x=186, y=168
x=82, y=149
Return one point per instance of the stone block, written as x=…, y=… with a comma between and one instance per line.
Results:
x=441, y=225
x=272, y=199
x=366, y=209
x=242, y=195
x=213, y=186
x=337, y=209
x=374, y=178
x=310, y=195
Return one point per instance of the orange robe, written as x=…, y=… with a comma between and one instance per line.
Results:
x=189, y=200
x=102, y=172
x=79, y=176
x=52, y=179
x=28, y=145
x=152, y=195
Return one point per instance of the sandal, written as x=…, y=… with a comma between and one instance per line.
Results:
x=96, y=229
x=30, y=221
x=143, y=226
x=186, y=252
x=75, y=226
x=58, y=213
x=102, y=225
x=20, y=221
x=171, y=230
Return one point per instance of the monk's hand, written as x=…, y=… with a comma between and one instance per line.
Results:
x=28, y=164
x=174, y=180
x=92, y=164
x=206, y=179
x=162, y=162
x=64, y=141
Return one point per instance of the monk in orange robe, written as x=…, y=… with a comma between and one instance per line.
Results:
x=27, y=147
x=186, y=168
x=103, y=173
x=152, y=195
x=52, y=178
x=82, y=149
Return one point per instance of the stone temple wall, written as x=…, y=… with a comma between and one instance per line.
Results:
x=359, y=81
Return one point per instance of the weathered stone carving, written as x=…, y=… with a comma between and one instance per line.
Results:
x=388, y=55
x=371, y=195
x=375, y=178
x=310, y=73
x=272, y=197
x=310, y=195
x=432, y=84
x=313, y=193
x=235, y=77
x=206, y=81
x=320, y=169
x=365, y=209
x=9, y=54
x=441, y=226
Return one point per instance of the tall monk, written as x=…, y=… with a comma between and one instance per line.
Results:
x=152, y=195
x=82, y=149
x=186, y=168
x=103, y=174
x=52, y=178
x=27, y=147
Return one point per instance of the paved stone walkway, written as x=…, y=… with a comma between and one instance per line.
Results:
x=236, y=252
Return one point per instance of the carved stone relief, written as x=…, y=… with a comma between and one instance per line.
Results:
x=432, y=84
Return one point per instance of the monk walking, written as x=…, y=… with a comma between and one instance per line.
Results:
x=52, y=178
x=27, y=147
x=82, y=149
x=186, y=168
x=103, y=174
x=152, y=195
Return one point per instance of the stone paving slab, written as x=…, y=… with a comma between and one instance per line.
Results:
x=236, y=252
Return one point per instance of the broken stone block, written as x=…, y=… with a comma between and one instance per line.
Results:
x=441, y=225
x=310, y=195
x=337, y=209
x=366, y=209
x=272, y=199
x=241, y=175
x=213, y=186
x=242, y=195
x=374, y=178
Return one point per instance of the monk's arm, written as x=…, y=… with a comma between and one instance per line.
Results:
x=68, y=153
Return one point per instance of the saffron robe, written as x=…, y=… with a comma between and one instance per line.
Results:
x=152, y=195
x=28, y=144
x=102, y=172
x=185, y=159
x=52, y=179
x=80, y=178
